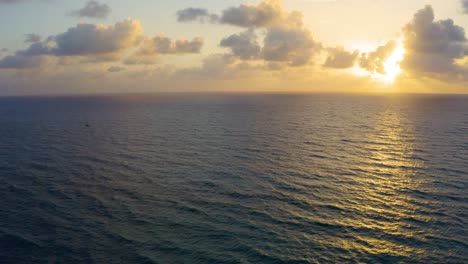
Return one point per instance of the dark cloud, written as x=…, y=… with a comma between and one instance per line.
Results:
x=433, y=47
x=88, y=39
x=93, y=9
x=196, y=14
x=19, y=61
x=100, y=43
x=464, y=4
x=264, y=14
x=293, y=45
x=374, y=61
x=286, y=39
x=164, y=45
x=32, y=38
x=37, y=49
x=340, y=58
x=243, y=45
x=97, y=41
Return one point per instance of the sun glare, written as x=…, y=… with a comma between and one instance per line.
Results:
x=392, y=64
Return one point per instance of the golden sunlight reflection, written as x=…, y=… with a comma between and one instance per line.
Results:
x=387, y=171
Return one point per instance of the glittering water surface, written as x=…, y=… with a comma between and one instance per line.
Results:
x=234, y=179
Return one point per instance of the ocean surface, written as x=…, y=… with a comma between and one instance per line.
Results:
x=206, y=178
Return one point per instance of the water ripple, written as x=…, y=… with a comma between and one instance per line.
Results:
x=234, y=179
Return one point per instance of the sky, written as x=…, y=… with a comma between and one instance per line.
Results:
x=121, y=46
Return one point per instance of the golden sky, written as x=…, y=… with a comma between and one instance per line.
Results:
x=233, y=46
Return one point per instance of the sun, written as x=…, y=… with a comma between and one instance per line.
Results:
x=392, y=64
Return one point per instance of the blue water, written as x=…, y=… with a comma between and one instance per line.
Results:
x=234, y=179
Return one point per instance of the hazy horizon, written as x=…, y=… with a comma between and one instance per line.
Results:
x=234, y=93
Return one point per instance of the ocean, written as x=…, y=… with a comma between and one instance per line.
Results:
x=234, y=178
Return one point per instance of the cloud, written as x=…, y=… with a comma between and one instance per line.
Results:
x=433, y=47
x=374, y=61
x=19, y=61
x=101, y=43
x=196, y=14
x=164, y=45
x=292, y=45
x=87, y=40
x=464, y=4
x=36, y=55
x=339, y=58
x=271, y=41
x=286, y=39
x=32, y=38
x=93, y=9
x=266, y=13
x=151, y=47
x=90, y=39
x=243, y=45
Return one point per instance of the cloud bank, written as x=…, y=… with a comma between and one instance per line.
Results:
x=266, y=42
x=286, y=38
x=99, y=42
